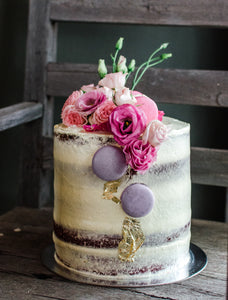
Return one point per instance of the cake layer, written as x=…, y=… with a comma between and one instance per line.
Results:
x=88, y=227
x=105, y=262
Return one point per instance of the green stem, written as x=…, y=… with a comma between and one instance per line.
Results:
x=114, y=61
x=142, y=73
x=142, y=65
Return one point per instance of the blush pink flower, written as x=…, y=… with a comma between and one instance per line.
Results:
x=88, y=88
x=107, y=92
x=88, y=102
x=102, y=113
x=72, y=99
x=127, y=122
x=70, y=116
x=123, y=96
x=140, y=156
x=155, y=133
x=113, y=80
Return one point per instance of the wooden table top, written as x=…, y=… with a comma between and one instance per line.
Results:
x=25, y=232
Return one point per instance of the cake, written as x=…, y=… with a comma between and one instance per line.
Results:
x=122, y=206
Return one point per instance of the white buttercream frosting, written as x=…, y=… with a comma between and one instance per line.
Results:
x=78, y=191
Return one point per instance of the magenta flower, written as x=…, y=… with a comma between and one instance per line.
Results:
x=127, y=123
x=140, y=156
x=97, y=127
x=88, y=102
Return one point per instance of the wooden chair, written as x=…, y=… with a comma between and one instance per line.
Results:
x=46, y=79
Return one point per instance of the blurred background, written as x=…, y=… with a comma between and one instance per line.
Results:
x=192, y=48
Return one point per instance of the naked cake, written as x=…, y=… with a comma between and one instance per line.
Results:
x=122, y=186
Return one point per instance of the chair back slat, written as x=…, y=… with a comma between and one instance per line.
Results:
x=196, y=87
x=165, y=12
x=46, y=79
x=209, y=166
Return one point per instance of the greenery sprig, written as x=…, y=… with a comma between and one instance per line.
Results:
x=121, y=65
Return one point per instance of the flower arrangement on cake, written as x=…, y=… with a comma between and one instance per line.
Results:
x=132, y=118
x=135, y=123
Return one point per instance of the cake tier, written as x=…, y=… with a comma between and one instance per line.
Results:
x=88, y=228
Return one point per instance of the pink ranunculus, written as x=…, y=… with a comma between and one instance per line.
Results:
x=102, y=113
x=160, y=115
x=147, y=105
x=140, y=156
x=70, y=116
x=113, y=80
x=127, y=122
x=88, y=102
x=88, y=88
x=123, y=96
x=155, y=133
x=71, y=100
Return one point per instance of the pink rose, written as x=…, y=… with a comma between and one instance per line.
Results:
x=140, y=156
x=127, y=122
x=71, y=100
x=102, y=113
x=70, y=116
x=155, y=133
x=123, y=96
x=88, y=88
x=88, y=102
x=113, y=80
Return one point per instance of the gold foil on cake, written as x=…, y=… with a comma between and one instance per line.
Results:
x=133, y=238
x=111, y=187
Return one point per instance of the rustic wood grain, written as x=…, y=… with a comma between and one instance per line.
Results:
x=209, y=166
x=41, y=48
x=154, y=12
x=20, y=113
x=196, y=87
x=22, y=275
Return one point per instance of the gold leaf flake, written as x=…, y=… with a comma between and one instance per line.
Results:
x=111, y=187
x=133, y=238
x=115, y=199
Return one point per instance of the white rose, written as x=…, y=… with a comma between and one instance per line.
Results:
x=124, y=96
x=155, y=133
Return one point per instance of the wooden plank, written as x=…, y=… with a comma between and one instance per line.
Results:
x=153, y=12
x=20, y=113
x=209, y=166
x=41, y=48
x=23, y=276
x=196, y=87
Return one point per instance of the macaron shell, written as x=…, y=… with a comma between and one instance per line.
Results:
x=109, y=163
x=137, y=200
x=147, y=105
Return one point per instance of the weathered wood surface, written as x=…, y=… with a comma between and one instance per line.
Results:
x=154, y=12
x=24, y=233
x=41, y=48
x=196, y=87
x=209, y=166
x=20, y=113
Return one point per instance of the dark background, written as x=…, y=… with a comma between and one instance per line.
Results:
x=192, y=48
